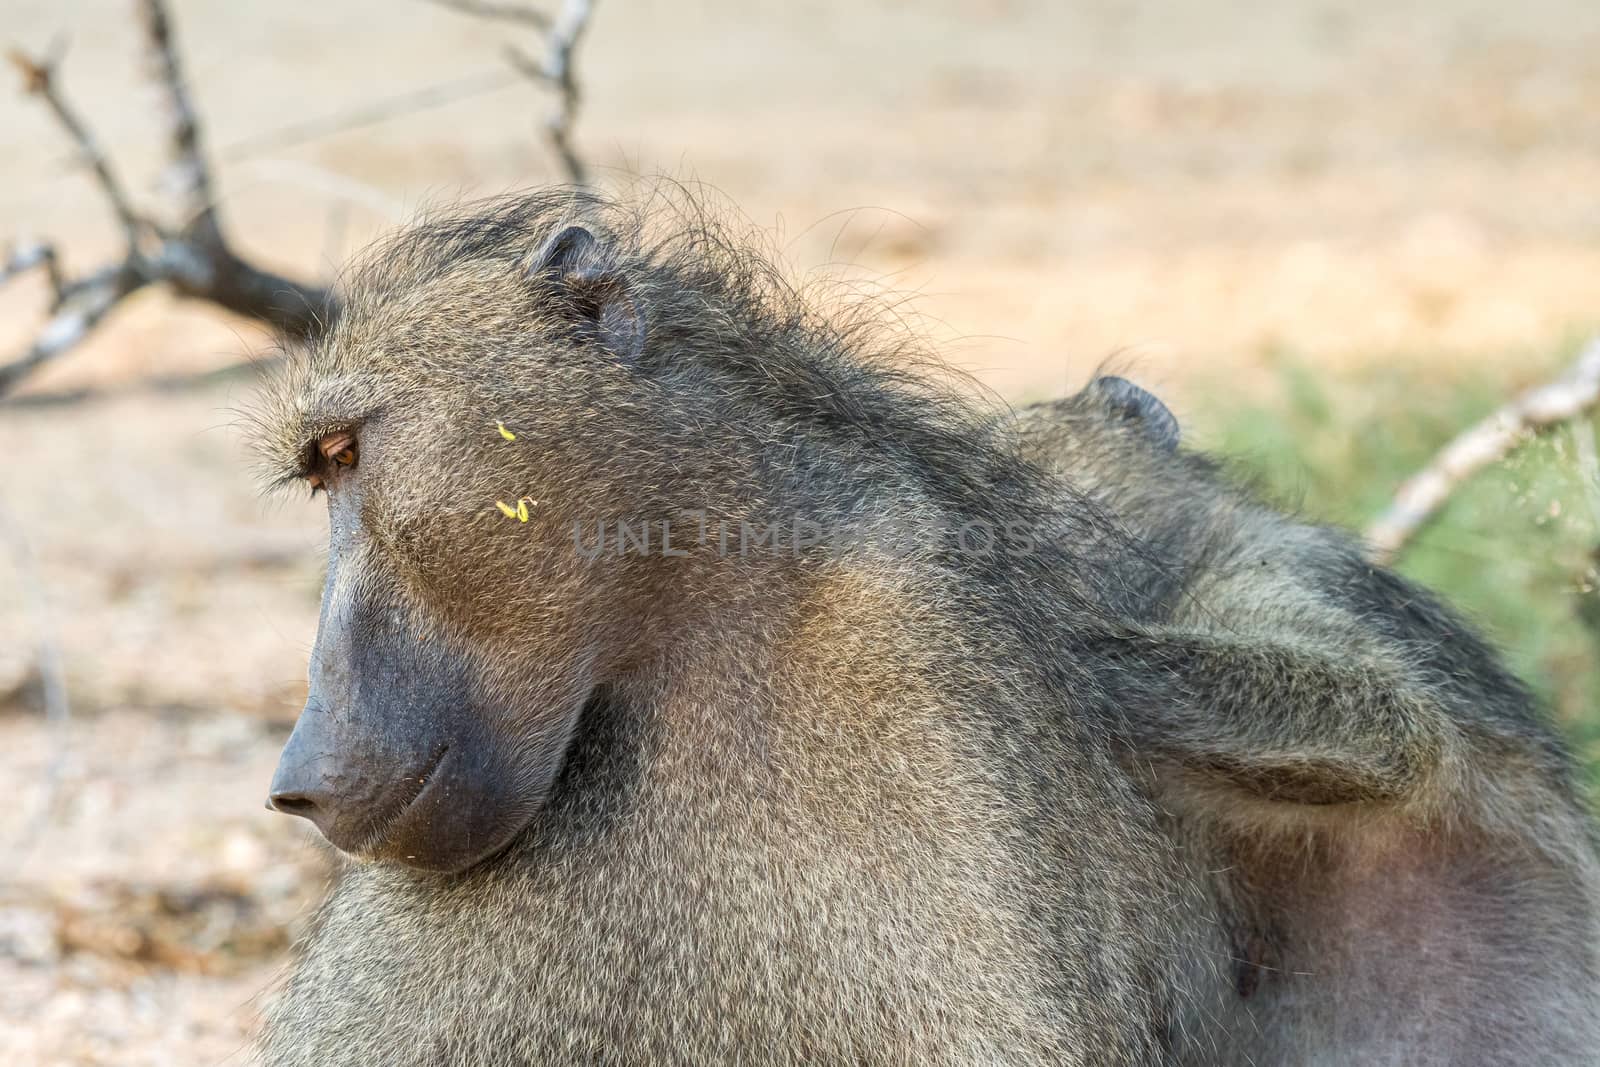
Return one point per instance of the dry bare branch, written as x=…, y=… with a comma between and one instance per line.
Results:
x=556, y=69
x=219, y=276
x=189, y=174
x=194, y=258
x=39, y=79
x=187, y=249
x=1422, y=495
x=197, y=261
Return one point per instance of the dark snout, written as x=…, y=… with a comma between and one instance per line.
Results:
x=391, y=758
x=439, y=805
x=301, y=786
x=342, y=783
x=400, y=755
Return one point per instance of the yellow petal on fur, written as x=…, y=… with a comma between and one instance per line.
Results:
x=522, y=510
x=507, y=434
x=506, y=509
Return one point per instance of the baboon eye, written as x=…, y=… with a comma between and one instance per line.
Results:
x=337, y=448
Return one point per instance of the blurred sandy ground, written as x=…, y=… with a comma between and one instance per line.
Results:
x=1189, y=186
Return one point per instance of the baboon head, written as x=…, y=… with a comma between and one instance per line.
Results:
x=482, y=392
x=1119, y=402
x=1111, y=438
x=500, y=383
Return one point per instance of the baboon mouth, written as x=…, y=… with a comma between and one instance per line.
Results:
x=418, y=788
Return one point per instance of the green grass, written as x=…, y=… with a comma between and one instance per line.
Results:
x=1516, y=548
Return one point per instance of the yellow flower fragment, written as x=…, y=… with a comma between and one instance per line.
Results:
x=506, y=509
x=507, y=434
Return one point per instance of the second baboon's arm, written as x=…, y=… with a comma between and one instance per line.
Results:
x=1277, y=720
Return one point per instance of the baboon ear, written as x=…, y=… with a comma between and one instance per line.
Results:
x=1141, y=410
x=584, y=276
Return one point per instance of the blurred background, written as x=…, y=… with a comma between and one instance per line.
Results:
x=1332, y=234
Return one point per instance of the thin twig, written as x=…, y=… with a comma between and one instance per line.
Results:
x=559, y=68
x=378, y=111
x=336, y=187
x=39, y=80
x=188, y=175
x=556, y=68
x=486, y=9
x=1490, y=440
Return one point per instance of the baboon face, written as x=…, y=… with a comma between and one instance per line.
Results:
x=458, y=645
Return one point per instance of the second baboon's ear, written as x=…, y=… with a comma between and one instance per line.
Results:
x=584, y=276
x=1140, y=409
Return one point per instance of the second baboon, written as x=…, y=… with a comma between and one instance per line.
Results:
x=1394, y=835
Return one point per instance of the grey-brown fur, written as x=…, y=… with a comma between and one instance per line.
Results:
x=881, y=801
x=1392, y=833
x=847, y=805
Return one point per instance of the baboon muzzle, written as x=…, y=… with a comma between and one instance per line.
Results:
x=391, y=758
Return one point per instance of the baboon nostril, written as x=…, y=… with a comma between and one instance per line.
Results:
x=293, y=804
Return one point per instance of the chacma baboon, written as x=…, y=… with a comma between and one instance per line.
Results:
x=845, y=802
x=1393, y=835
